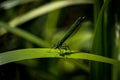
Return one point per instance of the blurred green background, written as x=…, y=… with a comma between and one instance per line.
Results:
x=46, y=21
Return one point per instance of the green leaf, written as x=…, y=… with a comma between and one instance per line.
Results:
x=23, y=54
x=45, y=9
x=24, y=34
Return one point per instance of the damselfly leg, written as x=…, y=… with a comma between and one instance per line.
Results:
x=60, y=44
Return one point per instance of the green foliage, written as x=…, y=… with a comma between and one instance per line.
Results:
x=17, y=55
x=39, y=24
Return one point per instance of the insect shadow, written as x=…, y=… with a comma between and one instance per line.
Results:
x=67, y=53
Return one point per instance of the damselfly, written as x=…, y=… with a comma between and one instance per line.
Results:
x=72, y=29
